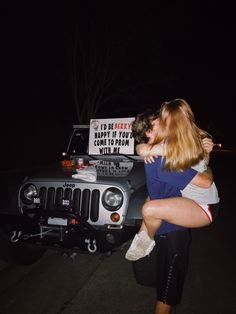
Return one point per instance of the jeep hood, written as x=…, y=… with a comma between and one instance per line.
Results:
x=128, y=172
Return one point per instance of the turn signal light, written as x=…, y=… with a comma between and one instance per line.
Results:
x=115, y=217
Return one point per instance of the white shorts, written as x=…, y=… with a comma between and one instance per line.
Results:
x=211, y=210
x=206, y=209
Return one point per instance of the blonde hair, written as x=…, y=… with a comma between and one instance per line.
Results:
x=181, y=134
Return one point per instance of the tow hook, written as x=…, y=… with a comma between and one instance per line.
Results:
x=92, y=246
x=16, y=236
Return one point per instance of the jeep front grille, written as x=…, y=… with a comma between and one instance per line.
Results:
x=83, y=202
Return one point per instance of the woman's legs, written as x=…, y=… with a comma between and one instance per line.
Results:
x=177, y=210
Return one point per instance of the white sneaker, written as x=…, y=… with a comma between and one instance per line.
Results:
x=141, y=246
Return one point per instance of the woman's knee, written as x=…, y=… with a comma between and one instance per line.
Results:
x=147, y=210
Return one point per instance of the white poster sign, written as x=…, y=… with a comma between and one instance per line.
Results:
x=114, y=169
x=111, y=136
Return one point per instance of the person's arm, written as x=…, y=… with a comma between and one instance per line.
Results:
x=148, y=149
x=203, y=179
x=207, y=145
x=180, y=179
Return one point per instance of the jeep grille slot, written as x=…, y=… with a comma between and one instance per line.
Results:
x=50, y=198
x=59, y=197
x=68, y=194
x=76, y=201
x=42, y=195
x=83, y=202
x=94, y=205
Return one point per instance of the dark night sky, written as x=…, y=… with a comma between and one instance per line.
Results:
x=173, y=49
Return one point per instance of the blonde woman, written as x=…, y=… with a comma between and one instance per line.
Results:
x=179, y=141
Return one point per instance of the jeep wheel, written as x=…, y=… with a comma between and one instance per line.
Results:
x=18, y=253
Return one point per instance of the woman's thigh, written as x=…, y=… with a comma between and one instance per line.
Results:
x=177, y=210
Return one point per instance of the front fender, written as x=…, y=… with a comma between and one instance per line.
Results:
x=137, y=199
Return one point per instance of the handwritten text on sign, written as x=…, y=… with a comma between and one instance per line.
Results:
x=111, y=136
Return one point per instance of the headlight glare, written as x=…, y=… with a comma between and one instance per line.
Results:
x=28, y=193
x=112, y=199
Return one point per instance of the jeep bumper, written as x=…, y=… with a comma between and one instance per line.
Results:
x=63, y=230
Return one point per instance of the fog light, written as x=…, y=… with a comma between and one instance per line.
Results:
x=115, y=217
x=74, y=221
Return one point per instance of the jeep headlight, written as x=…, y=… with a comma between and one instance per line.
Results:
x=28, y=193
x=112, y=199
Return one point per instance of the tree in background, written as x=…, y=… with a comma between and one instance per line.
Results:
x=96, y=67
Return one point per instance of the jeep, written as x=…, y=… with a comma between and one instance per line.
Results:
x=89, y=201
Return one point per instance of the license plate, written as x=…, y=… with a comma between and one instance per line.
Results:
x=57, y=221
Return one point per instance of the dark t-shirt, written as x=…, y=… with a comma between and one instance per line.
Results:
x=162, y=183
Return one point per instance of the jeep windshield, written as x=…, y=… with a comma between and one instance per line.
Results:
x=78, y=144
